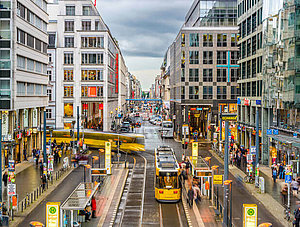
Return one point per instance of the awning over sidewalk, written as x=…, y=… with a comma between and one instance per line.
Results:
x=80, y=197
x=295, y=142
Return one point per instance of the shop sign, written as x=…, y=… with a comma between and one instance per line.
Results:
x=218, y=179
x=174, y=117
x=34, y=130
x=249, y=215
x=253, y=150
x=19, y=135
x=193, y=109
x=199, y=108
x=197, y=115
x=269, y=131
x=52, y=214
x=195, y=149
x=34, y=118
x=275, y=131
x=108, y=157
x=185, y=130
x=229, y=117
x=258, y=102
x=4, y=123
x=246, y=102
x=295, y=135
x=11, y=165
x=239, y=101
x=25, y=118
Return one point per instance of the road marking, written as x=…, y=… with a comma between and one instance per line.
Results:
x=160, y=215
x=143, y=194
x=179, y=218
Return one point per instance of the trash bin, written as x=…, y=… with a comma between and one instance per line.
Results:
x=262, y=184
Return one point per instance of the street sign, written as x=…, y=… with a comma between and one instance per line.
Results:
x=185, y=130
x=269, y=131
x=52, y=214
x=14, y=202
x=253, y=150
x=11, y=189
x=11, y=165
x=288, y=179
x=229, y=117
x=249, y=158
x=249, y=215
x=275, y=131
x=218, y=179
x=50, y=163
x=108, y=157
x=249, y=168
x=195, y=149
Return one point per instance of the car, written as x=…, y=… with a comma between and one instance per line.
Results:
x=125, y=127
x=158, y=122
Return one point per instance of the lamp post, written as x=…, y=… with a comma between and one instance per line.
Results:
x=228, y=183
x=213, y=168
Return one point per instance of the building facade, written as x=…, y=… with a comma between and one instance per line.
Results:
x=203, y=68
x=89, y=66
x=23, y=75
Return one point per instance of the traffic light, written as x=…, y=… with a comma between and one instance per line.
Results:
x=185, y=145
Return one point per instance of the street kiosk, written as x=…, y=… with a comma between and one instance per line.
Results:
x=76, y=202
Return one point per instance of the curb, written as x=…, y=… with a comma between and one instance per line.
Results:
x=21, y=216
x=271, y=208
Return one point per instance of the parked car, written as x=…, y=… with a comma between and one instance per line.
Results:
x=125, y=127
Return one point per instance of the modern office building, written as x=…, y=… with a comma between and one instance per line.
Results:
x=203, y=68
x=23, y=74
x=88, y=64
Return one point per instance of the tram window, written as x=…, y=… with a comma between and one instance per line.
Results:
x=167, y=180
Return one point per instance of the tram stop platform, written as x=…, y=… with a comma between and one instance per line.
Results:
x=108, y=198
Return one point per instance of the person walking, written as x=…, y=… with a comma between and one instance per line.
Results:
x=295, y=187
x=297, y=218
x=94, y=207
x=274, y=174
x=280, y=171
x=4, y=178
x=191, y=197
x=25, y=154
x=44, y=181
x=284, y=192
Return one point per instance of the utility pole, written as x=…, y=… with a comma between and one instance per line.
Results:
x=225, y=216
x=257, y=148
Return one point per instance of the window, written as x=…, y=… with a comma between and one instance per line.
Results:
x=89, y=58
x=86, y=25
x=49, y=113
x=207, y=75
x=91, y=91
x=207, y=92
x=30, y=65
x=21, y=10
x=4, y=54
x=234, y=74
x=234, y=40
x=249, y=25
x=30, y=41
x=222, y=57
x=182, y=92
x=253, y=22
x=49, y=73
x=182, y=75
x=221, y=75
x=21, y=88
x=68, y=109
x=92, y=42
x=208, y=40
x=30, y=16
x=249, y=47
x=52, y=40
x=21, y=62
x=86, y=11
x=97, y=25
x=254, y=45
x=70, y=10
x=69, y=26
x=194, y=40
x=90, y=75
x=194, y=75
x=222, y=40
x=254, y=67
x=183, y=40
x=194, y=57
x=207, y=57
x=193, y=92
x=249, y=69
x=235, y=92
x=248, y=88
x=68, y=75
x=221, y=92
x=68, y=58
x=254, y=88
x=243, y=49
x=234, y=57
x=69, y=41
x=38, y=89
x=4, y=14
x=30, y=89
x=38, y=44
x=21, y=36
x=68, y=91
x=38, y=67
x=38, y=22
x=49, y=93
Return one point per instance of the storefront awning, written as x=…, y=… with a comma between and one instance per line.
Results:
x=80, y=197
x=295, y=142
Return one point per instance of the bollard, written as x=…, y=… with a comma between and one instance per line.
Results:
x=22, y=206
x=31, y=197
x=25, y=203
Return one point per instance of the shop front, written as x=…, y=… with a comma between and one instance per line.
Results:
x=93, y=115
x=199, y=119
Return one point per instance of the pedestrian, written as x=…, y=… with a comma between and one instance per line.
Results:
x=37, y=157
x=274, y=174
x=44, y=181
x=195, y=135
x=59, y=155
x=4, y=178
x=295, y=187
x=297, y=217
x=25, y=154
x=191, y=197
x=41, y=167
x=94, y=206
x=284, y=192
x=280, y=171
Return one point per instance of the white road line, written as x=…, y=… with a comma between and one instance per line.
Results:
x=160, y=216
x=143, y=195
x=179, y=218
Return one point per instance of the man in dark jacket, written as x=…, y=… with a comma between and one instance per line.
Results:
x=297, y=217
x=4, y=178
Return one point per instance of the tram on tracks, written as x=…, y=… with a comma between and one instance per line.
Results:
x=96, y=139
x=167, y=185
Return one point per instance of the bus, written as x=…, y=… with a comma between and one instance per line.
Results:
x=167, y=185
x=167, y=129
x=96, y=139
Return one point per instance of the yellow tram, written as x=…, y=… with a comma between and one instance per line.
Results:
x=167, y=185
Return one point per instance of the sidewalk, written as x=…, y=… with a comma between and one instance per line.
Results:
x=108, y=198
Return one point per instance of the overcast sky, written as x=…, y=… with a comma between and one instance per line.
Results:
x=144, y=30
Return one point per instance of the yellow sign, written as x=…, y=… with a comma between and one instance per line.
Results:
x=52, y=214
x=218, y=179
x=249, y=215
x=197, y=115
x=108, y=157
x=195, y=149
x=229, y=118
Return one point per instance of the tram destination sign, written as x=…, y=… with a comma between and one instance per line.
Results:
x=229, y=117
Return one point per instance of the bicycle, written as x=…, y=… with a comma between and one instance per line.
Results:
x=287, y=214
x=249, y=179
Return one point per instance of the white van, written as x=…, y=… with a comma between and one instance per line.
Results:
x=167, y=129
